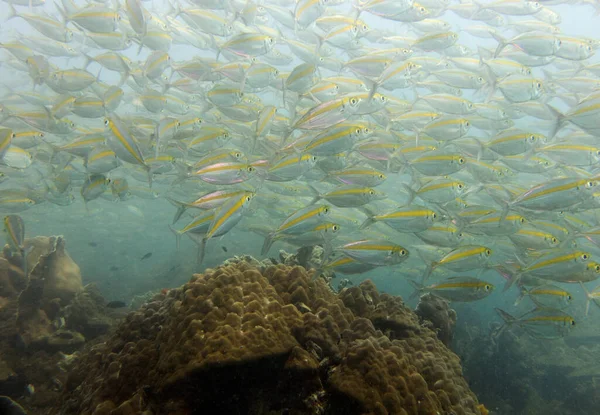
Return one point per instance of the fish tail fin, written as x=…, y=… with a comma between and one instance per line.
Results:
x=177, y=236
x=429, y=270
x=201, y=250
x=12, y=12
x=368, y=222
x=523, y=292
x=419, y=288
x=141, y=41
x=267, y=244
x=510, y=276
x=508, y=320
x=501, y=43
x=372, y=91
x=411, y=193
x=588, y=298
x=558, y=124
x=315, y=193
x=370, y=218
x=181, y=208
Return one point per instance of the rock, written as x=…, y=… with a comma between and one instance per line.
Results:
x=87, y=313
x=48, y=260
x=237, y=339
x=436, y=312
x=66, y=341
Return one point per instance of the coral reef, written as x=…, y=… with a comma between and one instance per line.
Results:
x=249, y=338
x=435, y=312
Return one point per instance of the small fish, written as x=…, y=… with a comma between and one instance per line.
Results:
x=546, y=295
x=460, y=289
x=224, y=248
x=146, y=256
x=93, y=244
x=463, y=258
x=541, y=323
x=15, y=229
x=375, y=252
x=298, y=223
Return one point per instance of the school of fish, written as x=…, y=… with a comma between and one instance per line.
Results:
x=363, y=126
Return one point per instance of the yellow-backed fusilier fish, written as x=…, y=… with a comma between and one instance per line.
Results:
x=463, y=258
x=15, y=231
x=541, y=323
x=591, y=296
x=411, y=218
x=375, y=252
x=561, y=265
x=297, y=223
x=350, y=196
x=546, y=295
x=199, y=225
x=226, y=217
x=94, y=186
x=459, y=289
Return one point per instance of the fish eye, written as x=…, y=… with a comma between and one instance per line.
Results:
x=335, y=228
x=403, y=252
x=72, y=124
x=460, y=235
x=106, y=122
x=248, y=198
x=422, y=9
x=325, y=210
x=479, y=79
x=314, y=158
x=569, y=297
x=532, y=138
x=250, y=169
x=461, y=160
x=459, y=186
x=584, y=257
x=488, y=252
x=381, y=176
x=554, y=240
x=434, y=215
x=371, y=192
x=365, y=27
x=353, y=101
x=383, y=98
x=522, y=220
x=358, y=131
x=597, y=268
x=487, y=287
x=589, y=184
x=572, y=322
x=13, y=135
x=539, y=85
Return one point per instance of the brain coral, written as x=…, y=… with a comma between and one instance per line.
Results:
x=238, y=340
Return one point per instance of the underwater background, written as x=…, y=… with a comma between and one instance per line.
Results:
x=447, y=150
